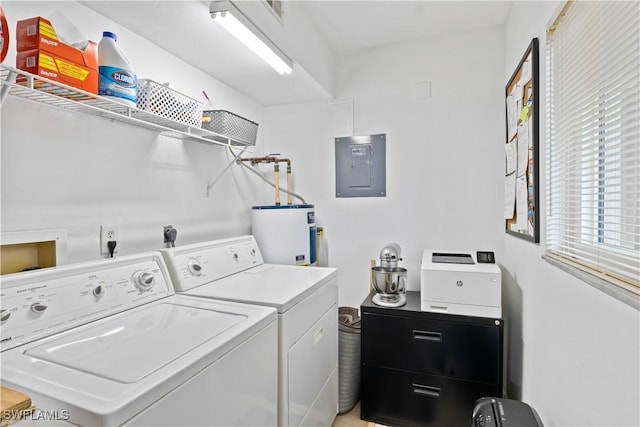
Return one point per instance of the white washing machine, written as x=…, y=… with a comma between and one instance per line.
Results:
x=306, y=299
x=109, y=343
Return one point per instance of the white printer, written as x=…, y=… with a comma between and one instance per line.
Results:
x=468, y=283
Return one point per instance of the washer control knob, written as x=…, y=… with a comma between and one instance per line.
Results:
x=38, y=307
x=235, y=256
x=194, y=267
x=252, y=252
x=4, y=315
x=98, y=291
x=143, y=280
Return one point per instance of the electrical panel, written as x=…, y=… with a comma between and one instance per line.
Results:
x=361, y=166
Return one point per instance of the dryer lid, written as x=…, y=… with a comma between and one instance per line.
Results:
x=273, y=285
x=131, y=346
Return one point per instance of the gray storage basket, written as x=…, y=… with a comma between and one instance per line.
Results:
x=349, y=358
x=230, y=125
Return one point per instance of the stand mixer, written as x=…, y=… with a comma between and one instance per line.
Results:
x=389, y=280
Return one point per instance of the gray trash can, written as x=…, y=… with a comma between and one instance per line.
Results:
x=349, y=358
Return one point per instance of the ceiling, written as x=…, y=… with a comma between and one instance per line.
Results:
x=345, y=26
x=355, y=25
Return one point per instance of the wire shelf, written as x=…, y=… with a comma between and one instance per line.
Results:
x=44, y=91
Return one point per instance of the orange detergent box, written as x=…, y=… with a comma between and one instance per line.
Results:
x=41, y=52
x=53, y=67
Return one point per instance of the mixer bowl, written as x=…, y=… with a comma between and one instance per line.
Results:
x=389, y=280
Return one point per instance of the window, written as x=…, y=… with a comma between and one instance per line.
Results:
x=593, y=149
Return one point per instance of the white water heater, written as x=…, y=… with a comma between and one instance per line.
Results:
x=286, y=234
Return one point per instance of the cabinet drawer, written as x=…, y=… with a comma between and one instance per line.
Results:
x=393, y=397
x=460, y=350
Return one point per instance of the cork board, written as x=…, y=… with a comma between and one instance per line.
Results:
x=521, y=172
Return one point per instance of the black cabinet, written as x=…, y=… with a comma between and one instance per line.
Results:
x=421, y=368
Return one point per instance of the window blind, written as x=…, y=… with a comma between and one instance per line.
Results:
x=593, y=149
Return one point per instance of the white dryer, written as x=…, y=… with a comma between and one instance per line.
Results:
x=109, y=343
x=306, y=299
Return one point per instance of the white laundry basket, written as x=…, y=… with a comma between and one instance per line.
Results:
x=349, y=358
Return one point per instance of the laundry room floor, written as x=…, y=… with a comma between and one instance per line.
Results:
x=352, y=419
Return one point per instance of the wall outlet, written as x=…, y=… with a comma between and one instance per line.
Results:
x=108, y=233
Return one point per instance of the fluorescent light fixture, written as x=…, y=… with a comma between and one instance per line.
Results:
x=237, y=23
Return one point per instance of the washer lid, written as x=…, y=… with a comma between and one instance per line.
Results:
x=127, y=348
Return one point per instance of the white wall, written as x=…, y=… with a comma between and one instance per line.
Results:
x=574, y=351
x=76, y=172
x=444, y=154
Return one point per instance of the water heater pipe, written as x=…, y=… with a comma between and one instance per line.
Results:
x=289, y=200
x=276, y=174
x=276, y=170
